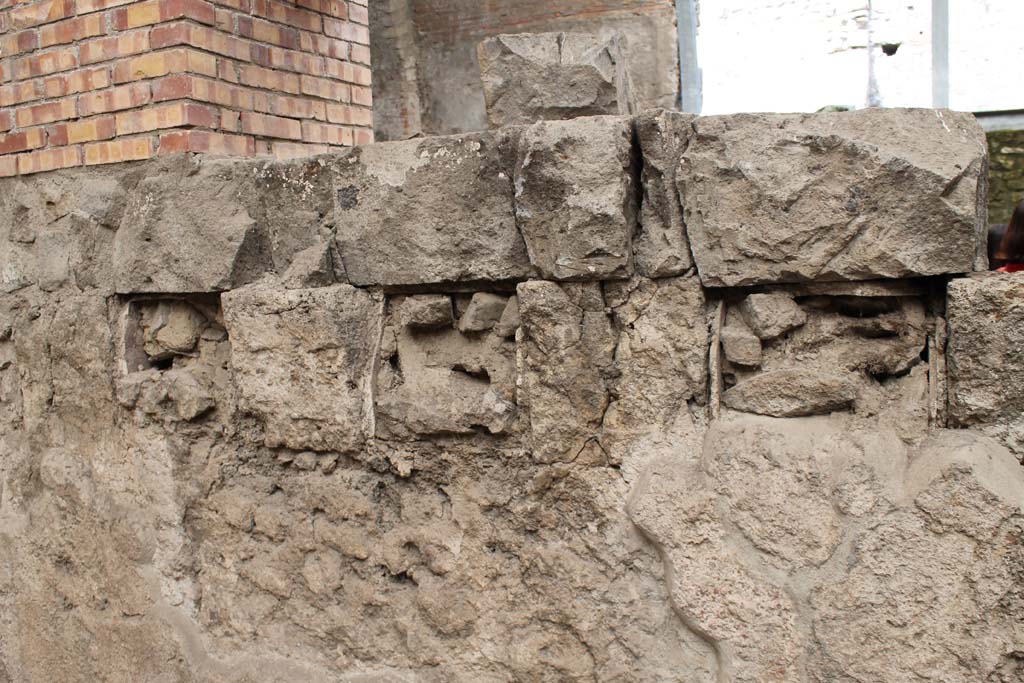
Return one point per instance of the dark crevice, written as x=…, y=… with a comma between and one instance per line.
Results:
x=479, y=374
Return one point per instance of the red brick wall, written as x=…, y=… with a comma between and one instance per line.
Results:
x=86, y=82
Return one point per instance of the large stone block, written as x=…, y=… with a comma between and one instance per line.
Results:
x=661, y=248
x=575, y=198
x=878, y=193
x=568, y=346
x=985, y=354
x=302, y=360
x=659, y=381
x=436, y=210
x=186, y=228
x=533, y=77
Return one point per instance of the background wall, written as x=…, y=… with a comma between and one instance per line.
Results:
x=1006, y=173
x=424, y=53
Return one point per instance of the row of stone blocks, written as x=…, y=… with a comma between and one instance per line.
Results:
x=447, y=409
x=747, y=199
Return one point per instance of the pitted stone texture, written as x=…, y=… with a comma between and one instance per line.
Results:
x=540, y=76
x=661, y=248
x=443, y=379
x=659, y=380
x=302, y=361
x=853, y=561
x=575, y=197
x=187, y=229
x=771, y=315
x=878, y=193
x=792, y=393
x=430, y=211
x=986, y=345
x=567, y=347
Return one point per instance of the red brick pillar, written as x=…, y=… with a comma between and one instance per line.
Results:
x=86, y=82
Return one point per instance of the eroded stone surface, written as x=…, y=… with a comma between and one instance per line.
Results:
x=986, y=344
x=786, y=588
x=834, y=196
x=304, y=480
x=661, y=248
x=538, y=76
x=823, y=354
x=575, y=197
x=445, y=380
x=186, y=230
x=308, y=351
x=437, y=210
x=771, y=315
x=792, y=392
x=739, y=344
x=568, y=346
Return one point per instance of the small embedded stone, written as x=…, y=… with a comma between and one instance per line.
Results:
x=510, y=321
x=483, y=313
x=427, y=310
x=792, y=393
x=740, y=345
x=771, y=315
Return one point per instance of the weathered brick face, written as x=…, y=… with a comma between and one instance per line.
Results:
x=86, y=82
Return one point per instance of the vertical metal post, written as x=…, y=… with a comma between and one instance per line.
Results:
x=690, y=92
x=940, y=53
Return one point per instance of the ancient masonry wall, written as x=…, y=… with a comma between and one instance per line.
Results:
x=88, y=82
x=1006, y=177
x=614, y=398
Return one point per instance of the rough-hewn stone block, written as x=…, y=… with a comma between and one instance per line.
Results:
x=986, y=351
x=531, y=77
x=186, y=230
x=302, y=360
x=661, y=248
x=575, y=199
x=430, y=211
x=878, y=193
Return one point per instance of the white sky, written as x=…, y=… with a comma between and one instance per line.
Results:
x=801, y=55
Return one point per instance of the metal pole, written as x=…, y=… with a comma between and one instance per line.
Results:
x=940, y=53
x=690, y=94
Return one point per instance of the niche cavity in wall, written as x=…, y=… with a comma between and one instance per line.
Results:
x=788, y=351
x=448, y=365
x=175, y=355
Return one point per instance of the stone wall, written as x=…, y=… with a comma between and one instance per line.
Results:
x=1006, y=173
x=89, y=82
x=604, y=399
x=428, y=77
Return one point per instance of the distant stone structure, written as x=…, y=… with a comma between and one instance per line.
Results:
x=88, y=82
x=428, y=74
x=533, y=77
x=1006, y=174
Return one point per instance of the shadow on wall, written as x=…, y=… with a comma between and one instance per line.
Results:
x=426, y=74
